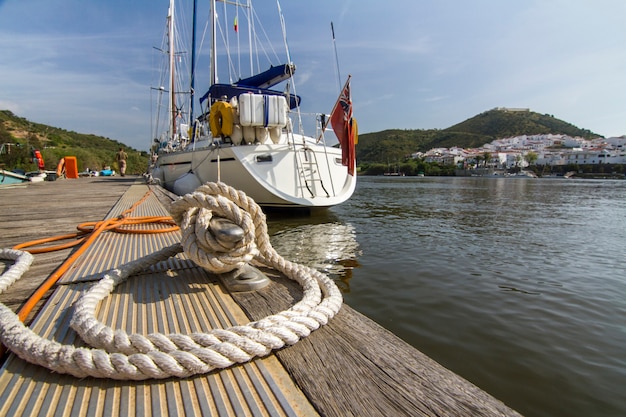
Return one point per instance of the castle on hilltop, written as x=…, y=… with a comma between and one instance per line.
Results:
x=512, y=109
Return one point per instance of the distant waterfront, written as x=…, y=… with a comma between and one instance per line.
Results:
x=516, y=284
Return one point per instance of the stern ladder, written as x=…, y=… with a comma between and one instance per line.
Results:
x=309, y=170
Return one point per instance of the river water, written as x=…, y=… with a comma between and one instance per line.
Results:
x=518, y=285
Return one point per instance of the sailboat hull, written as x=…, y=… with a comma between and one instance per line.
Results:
x=274, y=175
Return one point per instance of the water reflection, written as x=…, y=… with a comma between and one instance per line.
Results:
x=322, y=242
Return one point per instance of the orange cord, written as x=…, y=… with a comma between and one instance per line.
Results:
x=88, y=232
x=50, y=239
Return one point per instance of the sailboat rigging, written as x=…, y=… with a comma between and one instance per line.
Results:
x=245, y=134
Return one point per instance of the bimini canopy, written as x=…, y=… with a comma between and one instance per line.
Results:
x=257, y=84
x=269, y=78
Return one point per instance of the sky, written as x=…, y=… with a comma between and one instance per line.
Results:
x=90, y=66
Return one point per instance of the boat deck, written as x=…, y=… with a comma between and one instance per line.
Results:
x=351, y=366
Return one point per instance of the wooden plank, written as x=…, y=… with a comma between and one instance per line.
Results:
x=47, y=209
x=159, y=299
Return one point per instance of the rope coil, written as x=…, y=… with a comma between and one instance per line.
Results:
x=120, y=355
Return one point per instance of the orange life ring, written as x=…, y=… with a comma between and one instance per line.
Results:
x=61, y=167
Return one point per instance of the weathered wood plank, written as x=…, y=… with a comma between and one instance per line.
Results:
x=353, y=366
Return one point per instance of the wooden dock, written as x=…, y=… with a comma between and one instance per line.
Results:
x=350, y=367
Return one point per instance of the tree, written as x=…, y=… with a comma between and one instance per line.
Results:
x=530, y=157
x=487, y=156
x=478, y=158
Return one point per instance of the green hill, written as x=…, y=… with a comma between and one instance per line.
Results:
x=19, y=137
x=385, y=147
x=390, y=146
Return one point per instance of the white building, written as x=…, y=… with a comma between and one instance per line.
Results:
x=595, y=156
x=550, y=149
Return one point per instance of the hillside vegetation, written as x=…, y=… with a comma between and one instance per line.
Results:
x=20, y=137
x=392, y=146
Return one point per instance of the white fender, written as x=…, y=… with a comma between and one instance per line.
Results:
x=157, y=175
x=186, y=184
x=261, y=134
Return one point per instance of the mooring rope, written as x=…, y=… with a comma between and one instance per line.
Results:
x=118, y=355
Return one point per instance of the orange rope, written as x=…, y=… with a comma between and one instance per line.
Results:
x=50, y=239
x=88, y=232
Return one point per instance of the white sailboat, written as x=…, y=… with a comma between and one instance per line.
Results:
x=250, y=136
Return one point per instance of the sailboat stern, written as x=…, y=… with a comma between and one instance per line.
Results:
x=288, y=176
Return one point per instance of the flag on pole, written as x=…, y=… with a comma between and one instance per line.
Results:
x=236, y=25
x=345, y=127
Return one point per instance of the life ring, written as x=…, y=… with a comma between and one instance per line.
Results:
x=221, y=119
x=61, y=167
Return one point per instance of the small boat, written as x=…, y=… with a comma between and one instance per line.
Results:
x=36, y=176
x=247, y=134
x=11, y=178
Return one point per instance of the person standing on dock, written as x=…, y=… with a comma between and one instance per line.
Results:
x=120, y=157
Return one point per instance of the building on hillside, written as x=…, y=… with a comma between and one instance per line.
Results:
x=576, y=142
x=551, y=158
x=445, y=156
x=551, y=150
x=595, y=156
x=516, y=159
x=617, y=142
x=498, y=159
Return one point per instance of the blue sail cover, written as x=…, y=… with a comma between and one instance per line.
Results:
x=257, y=84
x=269, y=78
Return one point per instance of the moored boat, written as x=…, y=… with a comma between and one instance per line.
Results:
x=249, y=135
x=10, y=178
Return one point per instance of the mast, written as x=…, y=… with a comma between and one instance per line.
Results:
x=250, y=29
x=213, y=66
x=193, y=70
x=172, y=68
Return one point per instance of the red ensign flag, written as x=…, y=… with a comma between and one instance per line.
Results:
x=341, y=121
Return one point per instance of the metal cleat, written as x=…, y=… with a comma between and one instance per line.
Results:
x=227, y=233
x=246, y=278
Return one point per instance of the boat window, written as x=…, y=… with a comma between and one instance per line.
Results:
x=264, y=158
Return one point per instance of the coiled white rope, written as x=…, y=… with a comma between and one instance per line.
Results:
x=119, y=355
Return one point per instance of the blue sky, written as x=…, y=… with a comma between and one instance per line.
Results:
x=88, y=66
